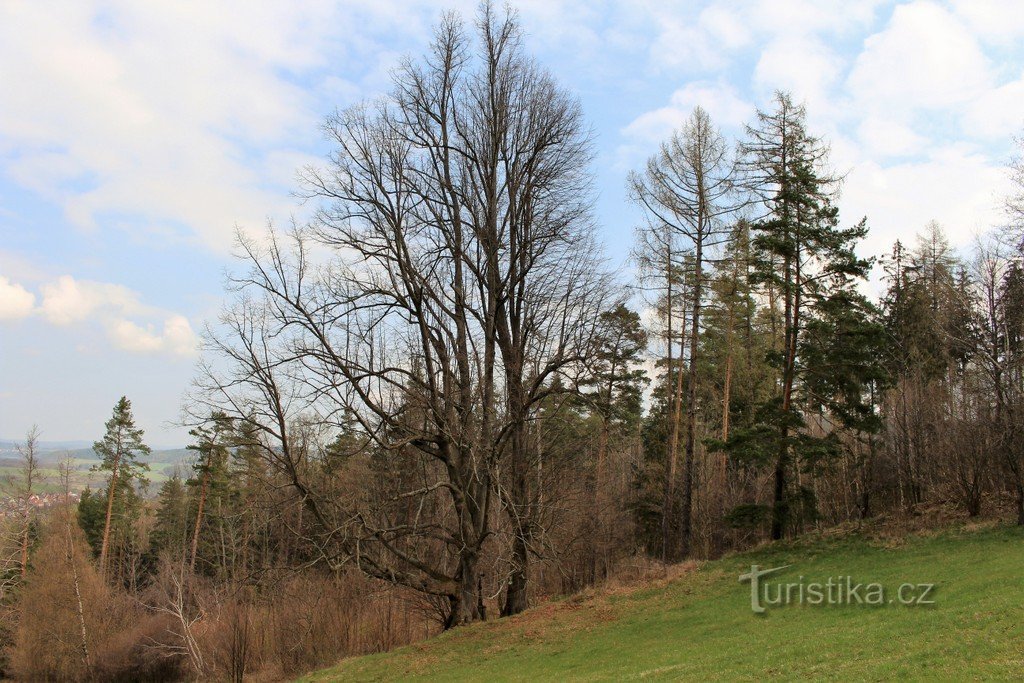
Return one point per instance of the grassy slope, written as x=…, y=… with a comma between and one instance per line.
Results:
x=700, y=626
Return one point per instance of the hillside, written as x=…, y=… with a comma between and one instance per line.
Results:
x=700, y=625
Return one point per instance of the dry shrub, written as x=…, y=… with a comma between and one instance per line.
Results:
x=187, y=627
x=72, y=626
x=304, y=622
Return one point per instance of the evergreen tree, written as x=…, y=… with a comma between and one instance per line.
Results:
x=735, y=344
x=170, y=530
x=91, y=514
x=212, y=442
x=119, y=451
x=800, y=250
x=617, y=379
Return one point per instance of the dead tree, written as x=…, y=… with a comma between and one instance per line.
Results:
x=688, y=189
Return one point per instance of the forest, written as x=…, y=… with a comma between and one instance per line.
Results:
x=435, y=403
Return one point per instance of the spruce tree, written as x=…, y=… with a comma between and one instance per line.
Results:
x=170, y=530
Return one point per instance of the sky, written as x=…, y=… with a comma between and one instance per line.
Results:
x=137, y=136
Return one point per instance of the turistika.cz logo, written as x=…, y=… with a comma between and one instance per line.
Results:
x=836, y=591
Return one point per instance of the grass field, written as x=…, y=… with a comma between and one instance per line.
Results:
x=49, y=480
x=700, y=626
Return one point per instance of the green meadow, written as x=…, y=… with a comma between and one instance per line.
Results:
x=700, y=626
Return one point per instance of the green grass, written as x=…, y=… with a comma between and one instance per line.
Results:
x=700, y=626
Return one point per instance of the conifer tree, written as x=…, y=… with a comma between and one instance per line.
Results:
x=170, y=531
x=211, y=468
x=689, y=188
x=120, y=451
x=617, y=378
x=799, y=250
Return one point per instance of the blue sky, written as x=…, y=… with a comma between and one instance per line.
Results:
x=135, y=136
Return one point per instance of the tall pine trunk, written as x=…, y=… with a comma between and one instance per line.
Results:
x=199, y=516
x=105, y=545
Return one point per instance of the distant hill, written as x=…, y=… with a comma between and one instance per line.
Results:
x=169, y=455
x=12, y=444
x=52, y=451
x=162, y=463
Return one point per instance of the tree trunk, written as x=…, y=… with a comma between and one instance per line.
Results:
x=104, y=547
x=668, y=546
x=726, y=391
x=515, y=596
x=673, y=398
x=79, y=606
x=199, y=517
x=467, y=601
x=691, y=409
x=780, y=508
x=868, y=480
x=780, y=512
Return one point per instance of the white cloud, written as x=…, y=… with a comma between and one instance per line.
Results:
x=713, y=38
x=881, y=137
x=995, y=21
x=722, y=102
x=707, y=41
x=953, y=185
x=162, y=113
x=998, y=113
x=924, y=58
x=796, y=17
x=128, y=323
x=15, y=301
x=176, y=336
x=804, y=66
x=68, y=300
x=131, y=337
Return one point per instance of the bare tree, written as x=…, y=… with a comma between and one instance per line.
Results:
x=1013, y=204
x=65, y=468
x=29, y=476
x=689, y=188
x=463, y=284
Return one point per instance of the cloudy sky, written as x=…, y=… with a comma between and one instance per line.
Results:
x=135, y=135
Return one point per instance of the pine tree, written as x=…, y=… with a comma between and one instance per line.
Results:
x=735, y=345
x=211, y=470
x=120, y=450
x=618, y=380
x=799, y=250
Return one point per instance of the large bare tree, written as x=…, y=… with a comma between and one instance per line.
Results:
x=461, y=284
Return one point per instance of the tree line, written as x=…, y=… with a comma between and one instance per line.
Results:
x=436, y=402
